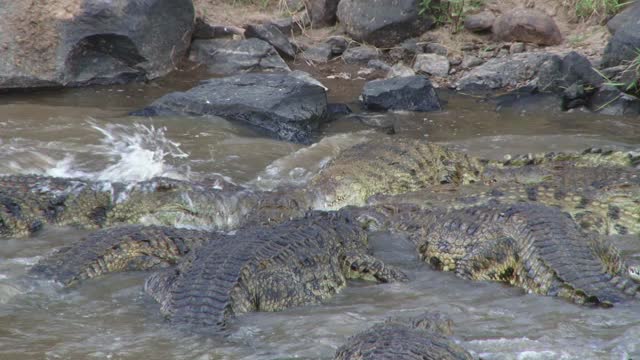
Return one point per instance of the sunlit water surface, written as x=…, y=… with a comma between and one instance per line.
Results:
x=86, y=133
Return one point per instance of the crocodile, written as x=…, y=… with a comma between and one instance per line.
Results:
x=532, y=246
x=301, y=261
x=27, y=203
x=426, y=337
x=125, y=248
x=601, y=199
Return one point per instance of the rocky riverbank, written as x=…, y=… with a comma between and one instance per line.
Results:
x=491, y=47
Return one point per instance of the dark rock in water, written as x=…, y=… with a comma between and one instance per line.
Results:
x=574, y=96
x=383, y=23
x=528, y=99
x=52, y=43
x=527, y=25
x=628, y=16
x=412, y=93
x=381, y=122
x=336, y=109
x=204, y=30
x=282, y=105
x=624, y=45
x=271, y=34
x=609, y=100
x=360, y=54
x=556, y=75
x=479, y=22
x=322, y=12
x=226, y=57
x=319, y=54
x=339, y=44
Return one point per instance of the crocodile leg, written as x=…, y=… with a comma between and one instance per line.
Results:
x=494, y=260
x=359, y=265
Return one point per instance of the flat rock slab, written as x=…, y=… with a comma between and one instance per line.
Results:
x=284, y=106
x=432, y=64
x=83, y=42
x=411, y=93
x=528, y=25
x=383, y=23
x=360, y=54
x=228, y=57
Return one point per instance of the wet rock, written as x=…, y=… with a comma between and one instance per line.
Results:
x=627, y=16
x=383, y=23
x=432, y=64
x=335, y=110
x=470, y=61
x=226, y=57
x=322, y=12
x=272, y=35
x=412, y=93
x=624, y=45
x=319, y=54
x=360, y=54
x=74, y=43
x=609, y=100
x=574, y=96
x=527, y=25
x=279, y=104
x=305, y=76
x=511, y=71
x=434, y=48
x=482, y=21
x=558, y=74
x=339, y=44
x=382, y=122
x=400, y=70
x=528, y=100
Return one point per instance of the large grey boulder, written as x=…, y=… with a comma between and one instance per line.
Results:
x=282, y=105
x=383, y=23
x=82, y=42
x=228, y=57
x=527, y=25
x=411, y=93
x=510, y=71
x=624, y=45
x=609, y=100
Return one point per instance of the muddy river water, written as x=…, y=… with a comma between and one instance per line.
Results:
x=85, y=132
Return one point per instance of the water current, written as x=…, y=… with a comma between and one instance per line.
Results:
x=86, y=133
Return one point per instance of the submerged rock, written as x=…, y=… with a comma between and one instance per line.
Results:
x=527, y=25
x=82, y=42
x=282, y=105
x=412, y=93
x=227, y=57
x=383, y=23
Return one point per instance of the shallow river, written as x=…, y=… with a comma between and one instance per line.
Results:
x=85, y=132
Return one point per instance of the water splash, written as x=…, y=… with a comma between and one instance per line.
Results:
x=139, y=154
x=126, y=153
